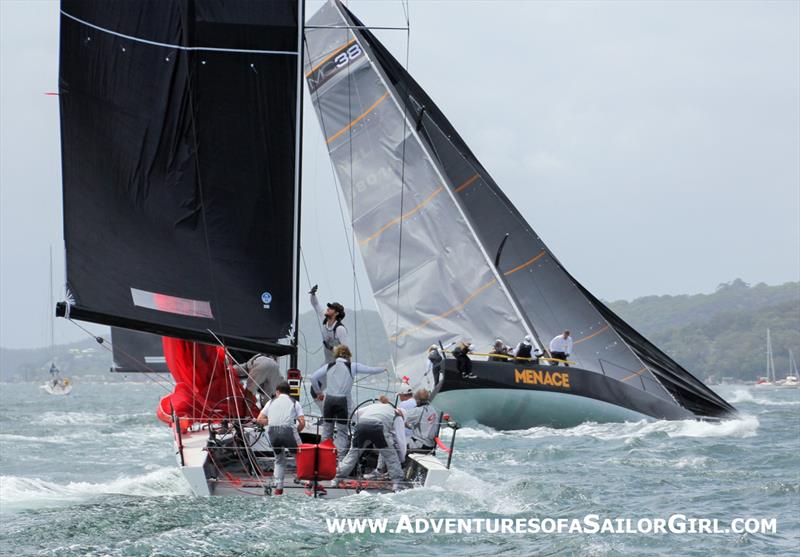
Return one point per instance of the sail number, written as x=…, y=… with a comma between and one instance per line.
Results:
x=348, y=55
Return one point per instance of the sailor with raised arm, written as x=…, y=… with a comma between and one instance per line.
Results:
x=333, y=383
x=333, y=331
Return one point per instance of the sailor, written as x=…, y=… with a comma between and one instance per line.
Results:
x=561, y=347
x=262, y=373
x=333, y=331
x=423, y=420
x=333, y=383
x=523, y=351
x=407, y=401
x=381, y=425
x=284, y=419
x=499, y=347
x=463, y=363
x=435, y=364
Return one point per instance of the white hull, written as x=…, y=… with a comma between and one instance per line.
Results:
x=58, y=389
x=527, y=408
x=206, y=478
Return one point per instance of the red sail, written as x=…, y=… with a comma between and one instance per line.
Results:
x=205, y=388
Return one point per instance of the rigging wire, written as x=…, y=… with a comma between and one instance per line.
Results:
x=402, y=194
x=166, y=385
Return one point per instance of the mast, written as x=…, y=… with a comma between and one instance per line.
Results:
x=301, y=6
x=50, y=305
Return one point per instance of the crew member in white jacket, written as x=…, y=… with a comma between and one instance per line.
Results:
x=561, y=347
x=333, y=384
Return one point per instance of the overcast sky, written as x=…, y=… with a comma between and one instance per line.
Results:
x=654, y=146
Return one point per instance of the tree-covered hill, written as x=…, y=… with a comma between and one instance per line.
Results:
x=722, y=334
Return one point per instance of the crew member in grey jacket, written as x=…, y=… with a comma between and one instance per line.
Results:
x=333, y=383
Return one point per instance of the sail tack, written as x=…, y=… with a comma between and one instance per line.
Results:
x=392, y=147
x=179, y=147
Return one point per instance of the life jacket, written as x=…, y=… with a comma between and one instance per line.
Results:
x=330, y=345
x=524, y=350
x=339, y=378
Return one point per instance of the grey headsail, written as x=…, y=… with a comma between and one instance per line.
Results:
x=407, y=223
x=349, y=71
x=179, y=129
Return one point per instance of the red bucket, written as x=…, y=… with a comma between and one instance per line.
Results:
x=322, y=457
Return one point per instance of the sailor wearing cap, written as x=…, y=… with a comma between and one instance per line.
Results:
x=333, y=331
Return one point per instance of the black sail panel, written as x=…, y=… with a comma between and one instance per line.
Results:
x=137, y=352
x=178, y=124
x=551, y=300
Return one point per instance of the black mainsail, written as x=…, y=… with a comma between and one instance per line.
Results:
x=180, y=149
x=392, y=147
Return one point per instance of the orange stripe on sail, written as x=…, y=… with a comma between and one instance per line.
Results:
x=530, y=261
x=357, y=120
x=403, y=217
x=467, y=183
x=632, y=375
x=594, y=334
x=445, y=314
x=329, y=56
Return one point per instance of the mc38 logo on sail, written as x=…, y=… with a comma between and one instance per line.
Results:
x=266, y=299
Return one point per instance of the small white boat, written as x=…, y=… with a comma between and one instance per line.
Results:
x=60, y=386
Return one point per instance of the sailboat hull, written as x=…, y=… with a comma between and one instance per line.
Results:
x=209, y=475
x=515, y=396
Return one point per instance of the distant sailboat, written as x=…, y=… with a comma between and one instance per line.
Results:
x=769, y=380
x=791, y=380
x=57, y=385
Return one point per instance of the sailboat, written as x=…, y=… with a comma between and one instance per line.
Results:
x=792, y=380
x=769, y=380
x=181, y=156
x=56, y=385
x=450, y=259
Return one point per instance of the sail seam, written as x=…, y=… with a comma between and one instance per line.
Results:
x=176, y=46
x=402, y=217
x=450, y=311
x=359, y=118
x=467, y=300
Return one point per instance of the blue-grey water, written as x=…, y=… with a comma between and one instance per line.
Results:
x=93, y=473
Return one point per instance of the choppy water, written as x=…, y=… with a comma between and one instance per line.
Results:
x=93, y=474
